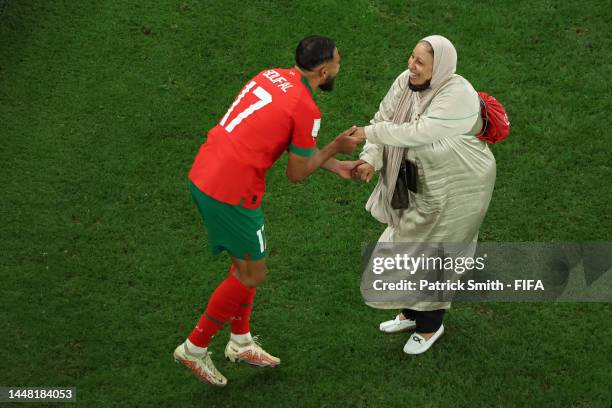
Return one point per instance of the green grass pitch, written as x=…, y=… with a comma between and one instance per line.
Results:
x=105, y=263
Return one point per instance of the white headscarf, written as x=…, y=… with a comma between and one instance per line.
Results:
x=410, y=106
x=445, y=59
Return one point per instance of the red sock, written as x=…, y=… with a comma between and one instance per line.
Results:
x=240, y=321
x=222, y=305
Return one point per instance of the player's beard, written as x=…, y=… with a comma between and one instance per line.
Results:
x=328, y=85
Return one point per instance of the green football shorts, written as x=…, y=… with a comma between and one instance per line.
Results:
x=238, y=230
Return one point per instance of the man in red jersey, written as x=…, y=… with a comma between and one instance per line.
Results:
x=273, y=113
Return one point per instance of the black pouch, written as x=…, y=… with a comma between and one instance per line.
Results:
x=406, y=180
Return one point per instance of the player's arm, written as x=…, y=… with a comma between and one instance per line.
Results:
x=299, y=167
x=343, y=168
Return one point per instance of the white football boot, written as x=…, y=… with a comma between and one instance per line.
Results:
x=417, y=344
x=251, y=353
x=202, y=367
x=396, y=325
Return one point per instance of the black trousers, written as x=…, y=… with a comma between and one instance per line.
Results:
x=427, y=321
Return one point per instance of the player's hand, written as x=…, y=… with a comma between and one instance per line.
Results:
x=347, y=141
x=346, y=168
x=364, y=172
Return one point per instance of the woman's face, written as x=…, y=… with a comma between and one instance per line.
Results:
x=420, y=64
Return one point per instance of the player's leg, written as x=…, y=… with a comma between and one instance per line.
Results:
x=250, y=272
x=225, y=226
x=222, y=305
x=227, y=301
x=240, y=322
x=242, y=345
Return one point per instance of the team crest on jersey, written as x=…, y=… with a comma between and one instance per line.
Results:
x=315, y=128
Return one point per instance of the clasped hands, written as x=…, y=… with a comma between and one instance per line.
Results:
x=352, y=169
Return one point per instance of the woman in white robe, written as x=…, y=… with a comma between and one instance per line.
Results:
x=429, y=116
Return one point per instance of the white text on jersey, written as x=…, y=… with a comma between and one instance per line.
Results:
x=278, y=80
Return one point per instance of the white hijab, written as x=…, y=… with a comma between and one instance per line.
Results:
x=410, y=106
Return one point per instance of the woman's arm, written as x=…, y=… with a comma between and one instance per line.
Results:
x=452, y=112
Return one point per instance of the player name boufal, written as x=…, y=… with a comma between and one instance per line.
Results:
x=277, y=79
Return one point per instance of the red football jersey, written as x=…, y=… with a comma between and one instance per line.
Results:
x=274, y=112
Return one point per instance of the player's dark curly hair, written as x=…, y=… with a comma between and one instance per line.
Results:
x=314, y=50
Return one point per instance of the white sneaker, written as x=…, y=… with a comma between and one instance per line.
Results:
x=202, y=367
x=251, y=353
x=396, y=325
x=417, y=344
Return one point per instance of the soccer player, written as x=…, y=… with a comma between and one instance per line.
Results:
x=274, y=112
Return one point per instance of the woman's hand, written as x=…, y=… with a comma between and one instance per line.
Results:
x=346, y=168
x=359, y=132
x=364, y=172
